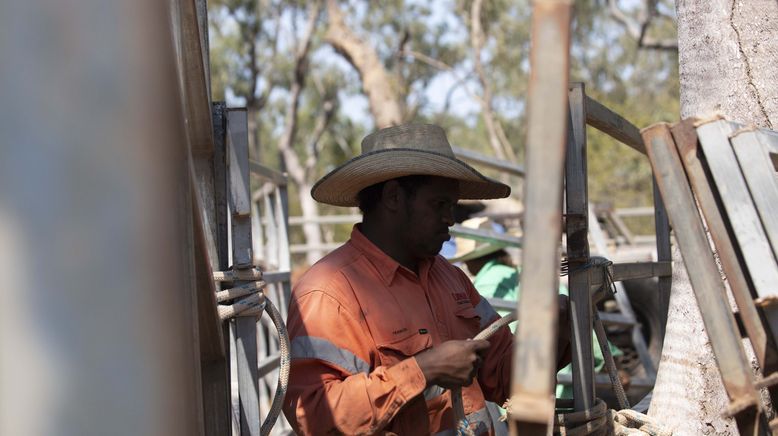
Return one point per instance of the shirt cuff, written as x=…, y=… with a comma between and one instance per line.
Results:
x=408, y=377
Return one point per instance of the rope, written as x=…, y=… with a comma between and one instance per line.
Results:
x=254, y=300
x=631, y=423
x=283, y=376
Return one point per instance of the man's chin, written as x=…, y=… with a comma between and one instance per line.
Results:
x=434, y=251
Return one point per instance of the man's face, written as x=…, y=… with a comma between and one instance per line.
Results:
x=429, y=214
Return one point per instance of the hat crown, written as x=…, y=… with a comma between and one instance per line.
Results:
x=423, y=137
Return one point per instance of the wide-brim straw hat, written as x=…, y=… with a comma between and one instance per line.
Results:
x=469, y=249
x=406, y=150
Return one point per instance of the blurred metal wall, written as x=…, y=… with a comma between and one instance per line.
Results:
x=98, y=332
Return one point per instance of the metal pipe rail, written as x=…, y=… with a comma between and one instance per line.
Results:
x=489, y=161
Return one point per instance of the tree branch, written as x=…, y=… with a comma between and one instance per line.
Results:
x=435, y=63
x=380, y=87
x=499, y=142
x=313, y=146
x=638, y=28
x=291, y=160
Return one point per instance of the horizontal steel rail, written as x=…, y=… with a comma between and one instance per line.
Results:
x=602, y=381
x=485, y=236
x=488, y=161
x=613, y=124
x=269, y=174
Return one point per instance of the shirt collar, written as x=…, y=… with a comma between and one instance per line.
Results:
x=386, y=266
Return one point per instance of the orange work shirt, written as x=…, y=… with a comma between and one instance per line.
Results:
x=356, y=320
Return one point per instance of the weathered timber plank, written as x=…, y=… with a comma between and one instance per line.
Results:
x=740, y=212
x=685, y=138
x=753, y=157
x=704, y=276
x=532, y=399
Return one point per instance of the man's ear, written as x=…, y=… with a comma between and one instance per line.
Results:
x=392, y=195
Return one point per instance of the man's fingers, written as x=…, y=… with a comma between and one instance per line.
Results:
x=478, y=345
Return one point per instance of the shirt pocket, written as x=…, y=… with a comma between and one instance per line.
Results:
x=468, y=323
x=398, y=350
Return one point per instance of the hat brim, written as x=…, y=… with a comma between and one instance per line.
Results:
x=341, y=186
x=479, y=251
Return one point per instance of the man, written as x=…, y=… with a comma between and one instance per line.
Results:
x=379, y=327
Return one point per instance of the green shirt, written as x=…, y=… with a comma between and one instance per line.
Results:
x=496, y=280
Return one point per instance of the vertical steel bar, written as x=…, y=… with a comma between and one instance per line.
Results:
x=577, y=231
x=240, y=196
x=257, y=237
x=271, y=259
x=219, y=374
x=625, y=306
x=663, y=254
x=220, y=184
x=704, y=276
x=245, y=326
x=532, y=398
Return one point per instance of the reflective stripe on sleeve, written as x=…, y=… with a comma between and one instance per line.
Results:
x=433, y=391
x=311, y=347
x=480, y=421
x=486, y=312
x=500, y=427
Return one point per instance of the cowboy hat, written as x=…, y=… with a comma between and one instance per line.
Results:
x=469, y=249
x=406, y=150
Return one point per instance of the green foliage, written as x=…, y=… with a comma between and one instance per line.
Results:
x=253, y=41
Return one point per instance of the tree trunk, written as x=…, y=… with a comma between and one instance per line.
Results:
x=727, y=52
x=689, y=396
x=379, y=86
x=311, y=230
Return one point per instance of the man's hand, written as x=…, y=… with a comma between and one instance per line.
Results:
x=452, y=363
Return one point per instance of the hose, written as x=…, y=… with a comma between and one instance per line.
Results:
x=283, y=376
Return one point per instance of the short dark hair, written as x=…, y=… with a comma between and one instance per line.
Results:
x=369, y=197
